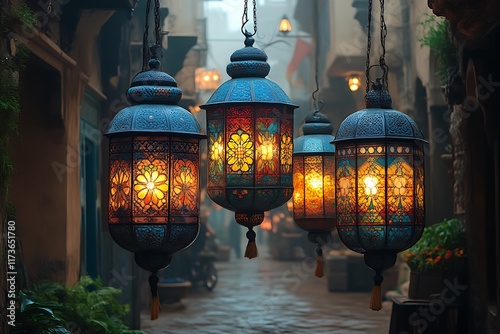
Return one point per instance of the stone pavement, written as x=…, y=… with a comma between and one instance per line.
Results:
x=266, y=296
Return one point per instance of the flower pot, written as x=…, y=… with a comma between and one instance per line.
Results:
x=450, y=285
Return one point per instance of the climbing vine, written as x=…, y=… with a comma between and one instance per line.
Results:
x=12, y=59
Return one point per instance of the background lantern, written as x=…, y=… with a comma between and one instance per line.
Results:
x=250, y=146
x=154, y=173
x=314, y=182
x=379, y=177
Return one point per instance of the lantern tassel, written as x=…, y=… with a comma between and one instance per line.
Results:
x=376, y=298
x=251, y=250
x=155, y=301
x=319, y=262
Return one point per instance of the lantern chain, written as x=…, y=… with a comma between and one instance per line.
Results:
x=383, y=35
x=145, y=51
x=368, y=44
x=244, y=19
x=49, y=7
x=157, y=23
x=316, y=57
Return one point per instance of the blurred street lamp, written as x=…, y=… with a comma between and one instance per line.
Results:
x=354, y=83
x=285, y=26
x=207, y=80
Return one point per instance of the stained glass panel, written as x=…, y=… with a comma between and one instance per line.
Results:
x=267, y=151
x=346, y=191
x=286, y=146
x=371, y=190
x=400, y=190
x=298, y=187
x=216, y=152
x=120, y=187
x=313, y=171
x=329, y=185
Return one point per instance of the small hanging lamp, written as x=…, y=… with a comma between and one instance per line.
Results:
x=314, y=173
x=379, y=177
x=314, y=182
x=250, y=146
x=154, y=170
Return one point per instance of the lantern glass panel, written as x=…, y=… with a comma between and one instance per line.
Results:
x=371, y=185
x=346, y=186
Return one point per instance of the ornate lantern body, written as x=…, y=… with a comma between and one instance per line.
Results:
x=250, y=146
x=154, y=172
x=314, y=181
x=379, y=182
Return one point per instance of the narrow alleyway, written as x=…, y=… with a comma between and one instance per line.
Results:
x=267, y=296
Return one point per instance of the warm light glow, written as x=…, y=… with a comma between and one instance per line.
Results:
x=370, y=185
x=151, y=184
x=266, y=150
x=285, y=25
x=194, y=109
x=354, y=83
x=207, y=79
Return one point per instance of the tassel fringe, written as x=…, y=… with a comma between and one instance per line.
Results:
x=251, y=251
x=155, y=307
x=376, y=298
x=155, y=301
x=319, y=262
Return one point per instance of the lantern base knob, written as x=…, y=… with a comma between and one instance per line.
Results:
x=152, y=261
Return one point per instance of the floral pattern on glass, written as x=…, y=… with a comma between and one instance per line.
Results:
x=371, y=191
x=240, y=152
x=120, y=186
x=151, y=184
x=346, y=193
x=286, y=153
x=400, y=191
x=185, y=186
x=216, y=147
x=267, y=147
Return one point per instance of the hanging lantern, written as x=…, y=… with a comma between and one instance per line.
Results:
x=314, y=182
x=379, y=176
x=250, y=146
x=379, y=183
x=154, y=173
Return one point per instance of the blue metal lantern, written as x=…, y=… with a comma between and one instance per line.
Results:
x=154, y=173
x=250, y=146
x=314, y=182
x=379, y=182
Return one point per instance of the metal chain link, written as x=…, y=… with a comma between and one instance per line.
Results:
x=49, y=7
x=145, y=49
x=368, y=44
x=316, y=56
x=244, y=19
x=157, y=23
x=383, y=35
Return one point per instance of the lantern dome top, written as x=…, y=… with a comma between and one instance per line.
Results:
x=317, y=136
x=378, y=120
x=154, y=110
x=248, y=69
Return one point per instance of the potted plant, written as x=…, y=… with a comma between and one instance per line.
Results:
x=437, y=257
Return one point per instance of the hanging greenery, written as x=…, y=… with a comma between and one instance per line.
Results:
x=13, y=57
x=437, y=36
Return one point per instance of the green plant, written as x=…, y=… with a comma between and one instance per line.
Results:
x=88, y=306
x=441, y=248
x=436, y=35
x=34, y=317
